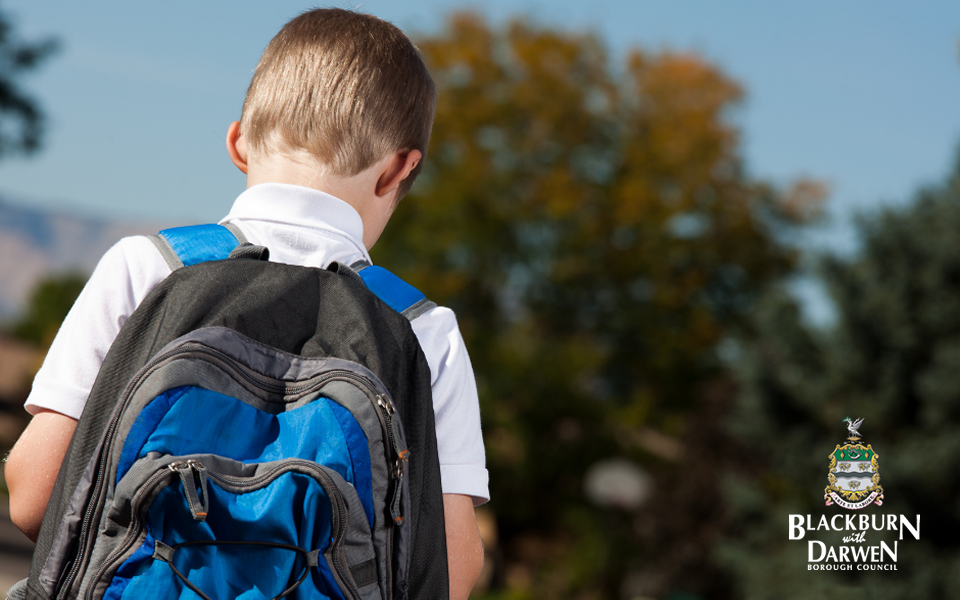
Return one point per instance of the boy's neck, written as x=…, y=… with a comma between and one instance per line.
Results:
x=302, y=171
x=355, y=190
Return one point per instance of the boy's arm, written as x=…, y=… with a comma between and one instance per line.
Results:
x=31, y=469
x=464, y=546
x=125, y=274
x=459, y=444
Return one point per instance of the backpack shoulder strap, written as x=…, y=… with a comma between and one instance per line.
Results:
x=395, y=292
x=185, y=246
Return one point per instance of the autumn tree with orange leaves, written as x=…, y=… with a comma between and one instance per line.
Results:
x=591, y=222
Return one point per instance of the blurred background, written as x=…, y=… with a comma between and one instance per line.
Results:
x=683, y=241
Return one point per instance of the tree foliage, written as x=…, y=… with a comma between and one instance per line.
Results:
x=47, y=307
x=892, y=358
x=21, y=121
x=592, y=224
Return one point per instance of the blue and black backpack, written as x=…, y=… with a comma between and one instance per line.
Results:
x=257, y=431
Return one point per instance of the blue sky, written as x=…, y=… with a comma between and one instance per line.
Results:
x=862, y=94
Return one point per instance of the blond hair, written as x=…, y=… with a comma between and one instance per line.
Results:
x=345, y=87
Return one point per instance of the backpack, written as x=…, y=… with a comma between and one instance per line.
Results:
x=257, y=430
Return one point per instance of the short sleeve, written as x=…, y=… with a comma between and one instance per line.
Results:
x=456, y=405
x=122, y=279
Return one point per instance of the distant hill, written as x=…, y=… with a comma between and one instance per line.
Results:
x=35, y=242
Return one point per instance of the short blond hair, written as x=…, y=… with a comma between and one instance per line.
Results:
x=346, y=87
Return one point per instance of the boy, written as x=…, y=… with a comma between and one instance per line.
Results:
x=332, y=135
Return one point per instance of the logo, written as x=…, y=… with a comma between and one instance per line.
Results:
x=854, y=479
x=854, y=475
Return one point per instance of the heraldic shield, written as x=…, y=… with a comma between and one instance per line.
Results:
x=854, y=475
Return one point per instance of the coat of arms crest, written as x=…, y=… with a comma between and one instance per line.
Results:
x=854, y=475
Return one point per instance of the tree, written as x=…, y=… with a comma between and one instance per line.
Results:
x=48, y=306
x=593, y=227
x=892, y=358
x=21, y=120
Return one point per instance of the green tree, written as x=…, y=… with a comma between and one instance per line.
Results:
x=21, y=120
x=892, y=357
x=592, y=225
x=48, y=306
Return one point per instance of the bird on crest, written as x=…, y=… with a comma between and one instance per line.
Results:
x=853, y=426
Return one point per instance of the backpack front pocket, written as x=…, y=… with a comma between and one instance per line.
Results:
x=209, y=527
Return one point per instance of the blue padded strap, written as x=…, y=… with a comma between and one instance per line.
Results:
x=199, y=243
x=395, y=292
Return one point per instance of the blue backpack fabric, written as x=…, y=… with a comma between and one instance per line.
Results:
x=253, y=449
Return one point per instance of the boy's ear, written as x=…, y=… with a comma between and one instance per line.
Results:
x=397, y=169
x=237, y=146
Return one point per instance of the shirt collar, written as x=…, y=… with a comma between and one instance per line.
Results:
x=300, y=206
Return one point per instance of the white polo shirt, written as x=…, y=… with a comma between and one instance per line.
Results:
x=300, y=226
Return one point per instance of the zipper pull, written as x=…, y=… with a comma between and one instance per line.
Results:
x=393, y=426
x=191, y=472
x=395, y=512
x=400, y=451
x=399, y=467
x=384, y=403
